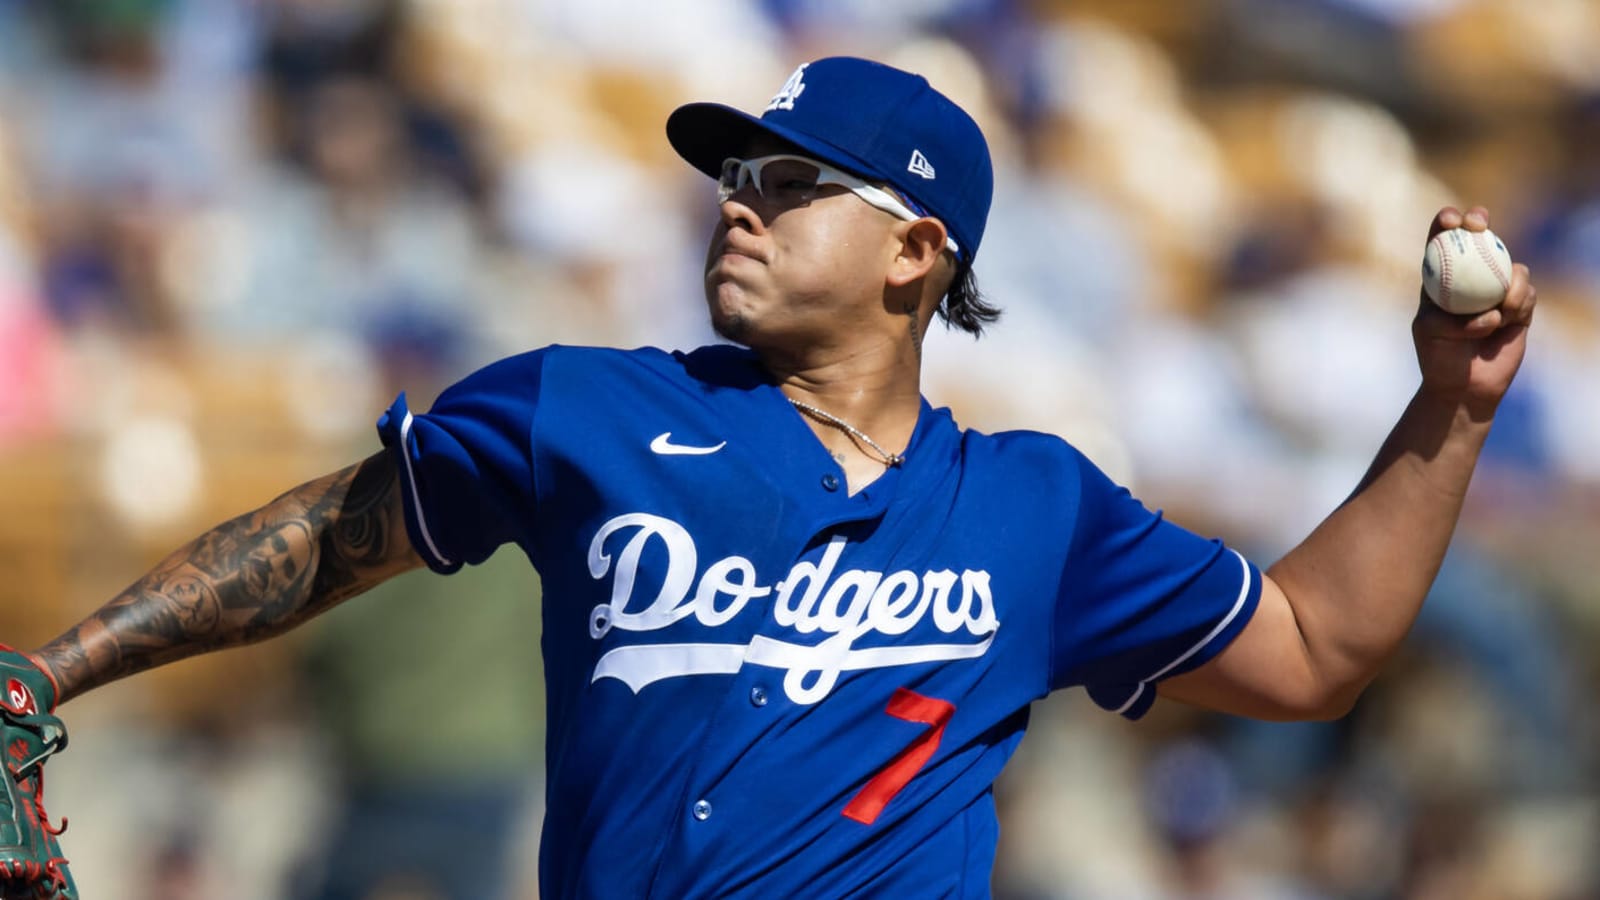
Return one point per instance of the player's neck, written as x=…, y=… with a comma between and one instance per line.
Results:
x=864, y=363
x=862, y=407
x=872, y=387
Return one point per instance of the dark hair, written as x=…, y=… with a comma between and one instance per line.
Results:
x=963, y=306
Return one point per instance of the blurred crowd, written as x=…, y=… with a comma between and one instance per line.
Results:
x=231, y=230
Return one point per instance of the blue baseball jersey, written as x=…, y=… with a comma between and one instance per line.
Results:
x=759, y=684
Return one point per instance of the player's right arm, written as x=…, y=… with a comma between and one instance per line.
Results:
x=1337, y=606
x=248, y=579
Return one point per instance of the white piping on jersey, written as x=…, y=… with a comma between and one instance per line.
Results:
x=416, y=498
x=1238, y=604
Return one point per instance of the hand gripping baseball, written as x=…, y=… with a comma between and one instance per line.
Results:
x=31, y=863
x=1473, y=357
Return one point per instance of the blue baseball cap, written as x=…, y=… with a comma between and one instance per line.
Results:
x=873, y=120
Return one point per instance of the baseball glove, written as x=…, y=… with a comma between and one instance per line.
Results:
x=31, y=864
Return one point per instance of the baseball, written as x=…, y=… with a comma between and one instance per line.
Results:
x=1466, y=272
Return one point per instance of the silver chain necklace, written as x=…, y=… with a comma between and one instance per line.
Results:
x=889, y=459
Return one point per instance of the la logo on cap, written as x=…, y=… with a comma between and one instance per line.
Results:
x=790, y=92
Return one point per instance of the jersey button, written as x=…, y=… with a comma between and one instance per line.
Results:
x=758, y=696
x=830, y=482
x=702, y=810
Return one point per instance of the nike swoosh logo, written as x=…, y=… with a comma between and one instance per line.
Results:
x=663, y=445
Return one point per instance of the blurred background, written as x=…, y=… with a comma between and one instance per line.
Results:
x=231, y=230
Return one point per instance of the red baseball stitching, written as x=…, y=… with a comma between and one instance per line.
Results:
x=1444, y=271
x=1482, y=244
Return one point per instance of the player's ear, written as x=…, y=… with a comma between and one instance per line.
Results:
x=922, y=242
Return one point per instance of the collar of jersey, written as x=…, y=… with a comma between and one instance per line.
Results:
x=797, y=461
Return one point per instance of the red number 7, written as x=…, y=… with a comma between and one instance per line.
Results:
x=912, y=707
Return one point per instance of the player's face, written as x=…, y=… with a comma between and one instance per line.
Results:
x=795, y=260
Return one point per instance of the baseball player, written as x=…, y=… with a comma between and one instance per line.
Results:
x=794, y=615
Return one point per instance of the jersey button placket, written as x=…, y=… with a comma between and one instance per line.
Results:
x=758, y=696
x=830, y=482
x=701, y=810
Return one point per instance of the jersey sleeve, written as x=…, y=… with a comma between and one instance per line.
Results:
x=1141, y=599
x=467, y=465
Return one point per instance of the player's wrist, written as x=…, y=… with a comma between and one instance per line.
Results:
x=1445, y=428
x=1467, y=407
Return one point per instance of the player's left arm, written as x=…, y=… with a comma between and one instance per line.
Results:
x=251, y=578
x=1334, y=608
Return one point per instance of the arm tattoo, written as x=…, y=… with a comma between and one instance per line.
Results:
x=248, y=579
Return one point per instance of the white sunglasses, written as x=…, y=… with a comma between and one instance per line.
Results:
x=795, y=180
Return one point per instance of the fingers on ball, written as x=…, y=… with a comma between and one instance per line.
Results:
x=1522, y=297
x=1449, y=217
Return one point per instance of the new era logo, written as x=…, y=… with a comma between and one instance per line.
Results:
x=920, y=165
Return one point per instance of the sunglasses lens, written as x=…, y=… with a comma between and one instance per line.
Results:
x=779, y=179
x=789, y=179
